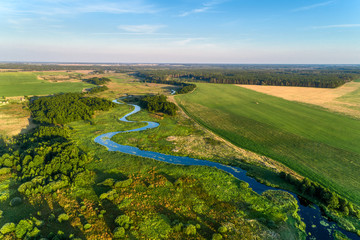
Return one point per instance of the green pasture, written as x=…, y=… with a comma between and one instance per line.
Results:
x=26, y=83
x=318, y=144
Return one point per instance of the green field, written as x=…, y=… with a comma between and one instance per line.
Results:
x=318, y=144
x=26, y=83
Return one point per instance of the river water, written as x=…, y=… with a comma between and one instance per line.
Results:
x=317, y=226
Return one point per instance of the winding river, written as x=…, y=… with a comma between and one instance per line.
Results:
x=317, y=226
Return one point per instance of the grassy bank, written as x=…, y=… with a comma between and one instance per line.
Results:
x=318, y=144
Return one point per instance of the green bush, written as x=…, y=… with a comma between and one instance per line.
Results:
x=5, y=170
x=23, y=227
x=216, y=236
x=108, y=182
x=222, y=229
x=190, y=230
x=87, y=226
x=122, y=184
x=8, y=228
x=63, y=217
x=123, y=221
x=119, y=232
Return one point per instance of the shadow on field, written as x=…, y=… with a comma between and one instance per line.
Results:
x=30, y=126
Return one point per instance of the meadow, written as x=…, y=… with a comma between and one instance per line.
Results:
x=27, y=83
x=318, y=144
x=165, y=195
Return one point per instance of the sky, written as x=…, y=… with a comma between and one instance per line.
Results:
x=181, y=31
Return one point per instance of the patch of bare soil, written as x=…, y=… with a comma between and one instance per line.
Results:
x=329, y=98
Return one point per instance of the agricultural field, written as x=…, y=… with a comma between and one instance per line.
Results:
x=344, y=99
x=318, y=144
x=33, y=83
x=14, y=119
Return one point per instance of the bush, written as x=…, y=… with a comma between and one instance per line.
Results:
x=63, y=217
x=119, y=232
x=15, y=201
x=23, y=227
x=87, y=226
x=5, y=170
x=108, y=182
x=8, y=228
x=122, y=184
x=190, y=230
x=216, y=236
x=123, y=221
x=222, y=229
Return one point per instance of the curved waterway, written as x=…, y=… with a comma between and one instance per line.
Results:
x=317, y=225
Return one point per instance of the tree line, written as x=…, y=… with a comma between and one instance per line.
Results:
x=330, y=199
x=323, y=78
x=97, y=80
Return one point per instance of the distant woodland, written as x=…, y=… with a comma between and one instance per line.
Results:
x=299, y=78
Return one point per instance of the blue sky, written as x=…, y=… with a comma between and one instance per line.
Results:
x=181, y=31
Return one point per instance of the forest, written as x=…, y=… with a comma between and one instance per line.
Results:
x=299, y=78
x=68, y=107
x=158, y=103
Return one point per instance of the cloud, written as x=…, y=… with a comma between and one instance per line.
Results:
x=67, y=7
x=141, y=29
x=338, y=26
x=305, y=8
x=205, y=7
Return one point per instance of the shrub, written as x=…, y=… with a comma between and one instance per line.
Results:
x=119, y=232
x=15, y=201
x=123, y=221
x=87, y=226
x=122, y=184
x=190, y=230
x=8, y=228
x=23, y=227
x=216, y=236
x=63, y=217
x=5, y=170
x=108, y=182
x=222, y=229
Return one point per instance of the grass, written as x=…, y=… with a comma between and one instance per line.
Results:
x=165, y=195
x=318, y=144
x=27, y=83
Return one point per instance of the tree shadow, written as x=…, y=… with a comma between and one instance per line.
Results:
x=30, y=126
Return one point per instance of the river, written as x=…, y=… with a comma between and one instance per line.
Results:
x=317, y=226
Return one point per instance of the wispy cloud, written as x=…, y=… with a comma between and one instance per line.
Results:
x=309, y=7
x=187, y=41
x=338, y=26
x=66, y=7
x=141, y=29
x=204, y=8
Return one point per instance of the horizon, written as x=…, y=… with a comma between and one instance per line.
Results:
x=181, y=32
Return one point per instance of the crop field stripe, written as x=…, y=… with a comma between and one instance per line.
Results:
x=318, y=144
